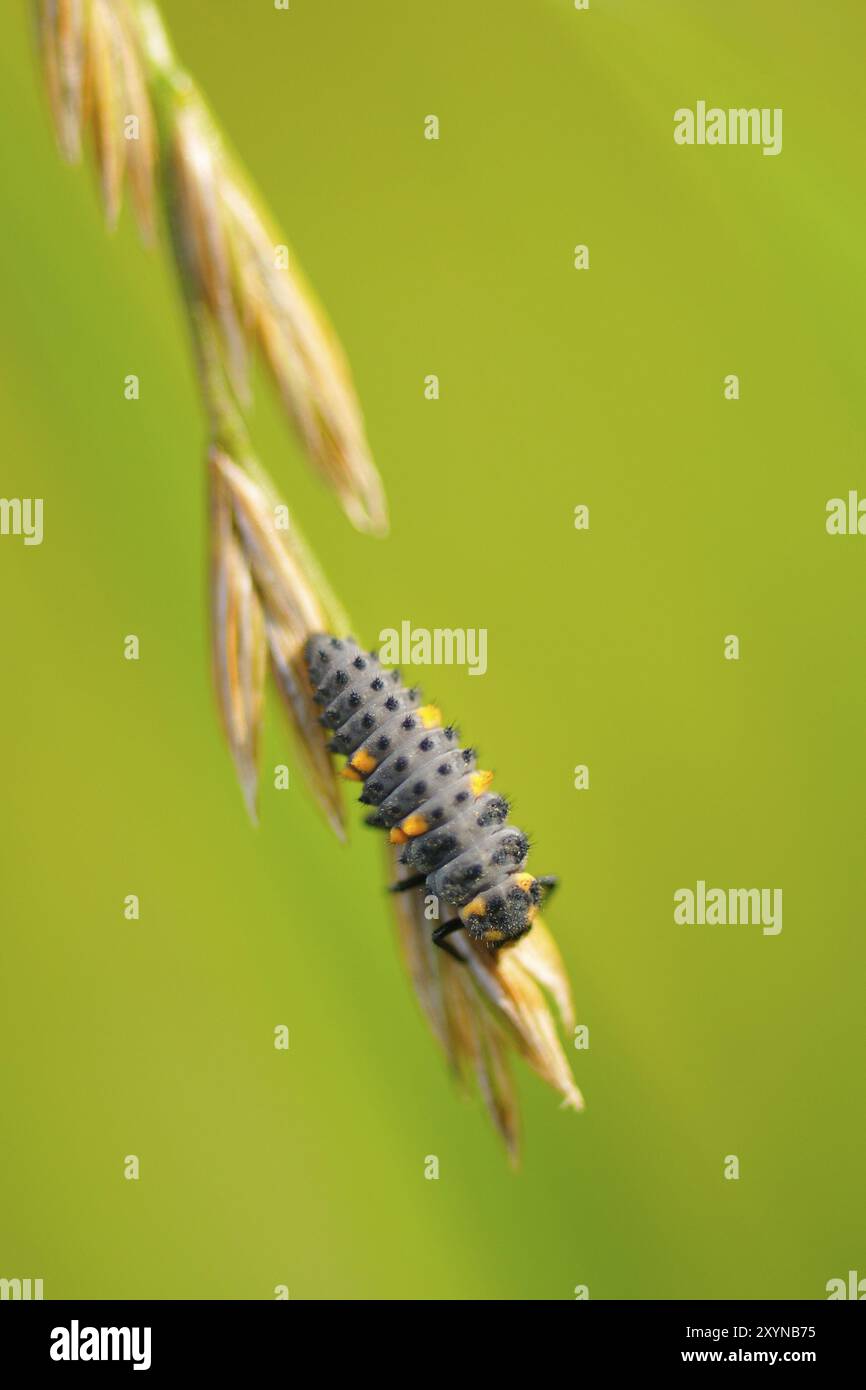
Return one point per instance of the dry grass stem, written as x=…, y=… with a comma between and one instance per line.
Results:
x=109, y=68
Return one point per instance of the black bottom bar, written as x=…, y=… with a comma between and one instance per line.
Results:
x=219, y=1338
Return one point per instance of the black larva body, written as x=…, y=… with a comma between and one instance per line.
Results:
x=427, y=792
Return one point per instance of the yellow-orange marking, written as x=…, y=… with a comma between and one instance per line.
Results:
x=363, y=762
x=414, y=825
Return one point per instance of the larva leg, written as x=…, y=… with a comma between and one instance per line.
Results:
x=440, y=934
x=405, y=884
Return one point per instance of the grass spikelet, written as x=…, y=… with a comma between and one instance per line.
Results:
x=105, y=84
x=61, y=28
x=508, y=987
x=303, y=357
x=141, y=152
x=197, y=173
x=490, y=1003
x=264, y=604
x=239, y=642
x=94, y=75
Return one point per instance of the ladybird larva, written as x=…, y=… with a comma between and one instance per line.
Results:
x=427, y=793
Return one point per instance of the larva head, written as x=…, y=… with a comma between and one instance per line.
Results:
x=503, y=914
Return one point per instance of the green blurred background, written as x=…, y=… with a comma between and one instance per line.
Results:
x=306, y=1168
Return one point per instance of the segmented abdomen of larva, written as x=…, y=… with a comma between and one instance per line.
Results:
x=426, y=790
